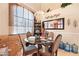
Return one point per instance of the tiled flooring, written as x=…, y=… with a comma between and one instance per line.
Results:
x=64, y=53
x=60, y=53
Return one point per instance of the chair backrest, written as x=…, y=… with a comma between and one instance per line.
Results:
x=22, y=41
x=14, y=44
x=56, y=43
x=28, y=34
x=51, y=34
x=46, y=34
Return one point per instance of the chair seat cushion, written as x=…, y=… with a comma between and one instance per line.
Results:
x=30, y=47
x=50, y=49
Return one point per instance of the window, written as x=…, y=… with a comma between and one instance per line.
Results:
x=57, y=24
x=22, y=20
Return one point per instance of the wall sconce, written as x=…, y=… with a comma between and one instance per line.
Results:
x=75, y=24
x=68, y=22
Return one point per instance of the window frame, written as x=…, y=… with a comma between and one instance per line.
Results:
x=11, y=19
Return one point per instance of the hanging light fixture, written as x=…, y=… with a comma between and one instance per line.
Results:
x=38, y=14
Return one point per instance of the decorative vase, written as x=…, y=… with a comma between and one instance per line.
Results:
x=62, y=45
x=67, y=47
x=74, y=48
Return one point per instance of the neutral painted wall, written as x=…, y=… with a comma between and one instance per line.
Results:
x=70, y=33
x=4, y=18
x=43, y=6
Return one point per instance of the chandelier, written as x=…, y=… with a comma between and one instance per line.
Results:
x=39, y=14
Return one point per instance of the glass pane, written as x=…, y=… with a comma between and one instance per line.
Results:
x=30, y=29
x=15, y=21
x=46, y=24
x=15, y=31
x=31, y=16
x=20, y=20
x=21, y=30
x=14, y=9
x=26, y=13
x=24, y=22
x=19, y=11
x=27, y=23
x=27, y=28
x=49, y=24
x=61, y=25
x=31, y=23
x=24, y=29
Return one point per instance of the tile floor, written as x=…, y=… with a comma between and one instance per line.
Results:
x=64, y=53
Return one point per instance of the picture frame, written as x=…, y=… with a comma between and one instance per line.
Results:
x=54, y=24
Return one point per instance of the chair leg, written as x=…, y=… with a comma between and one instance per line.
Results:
x=24, y=54
x=56, y=52
x=52, y=54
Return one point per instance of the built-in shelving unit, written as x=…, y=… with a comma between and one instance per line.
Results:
x=37, y=30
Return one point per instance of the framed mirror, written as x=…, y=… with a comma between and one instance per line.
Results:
x=54, y=24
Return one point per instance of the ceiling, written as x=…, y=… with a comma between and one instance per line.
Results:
x=44, y=6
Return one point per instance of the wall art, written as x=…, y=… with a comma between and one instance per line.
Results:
x=68, y=22
x=75, y=24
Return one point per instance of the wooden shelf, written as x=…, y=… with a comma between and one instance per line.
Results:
x=37, y=26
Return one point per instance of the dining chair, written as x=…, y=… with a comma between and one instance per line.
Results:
x=14, y=45
x=55, y=46
x=51, y=35
x=46, y=34
x=28, y=34
x=27, y=49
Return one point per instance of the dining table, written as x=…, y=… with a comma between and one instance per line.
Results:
x=42, y=42
x=45, y=44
